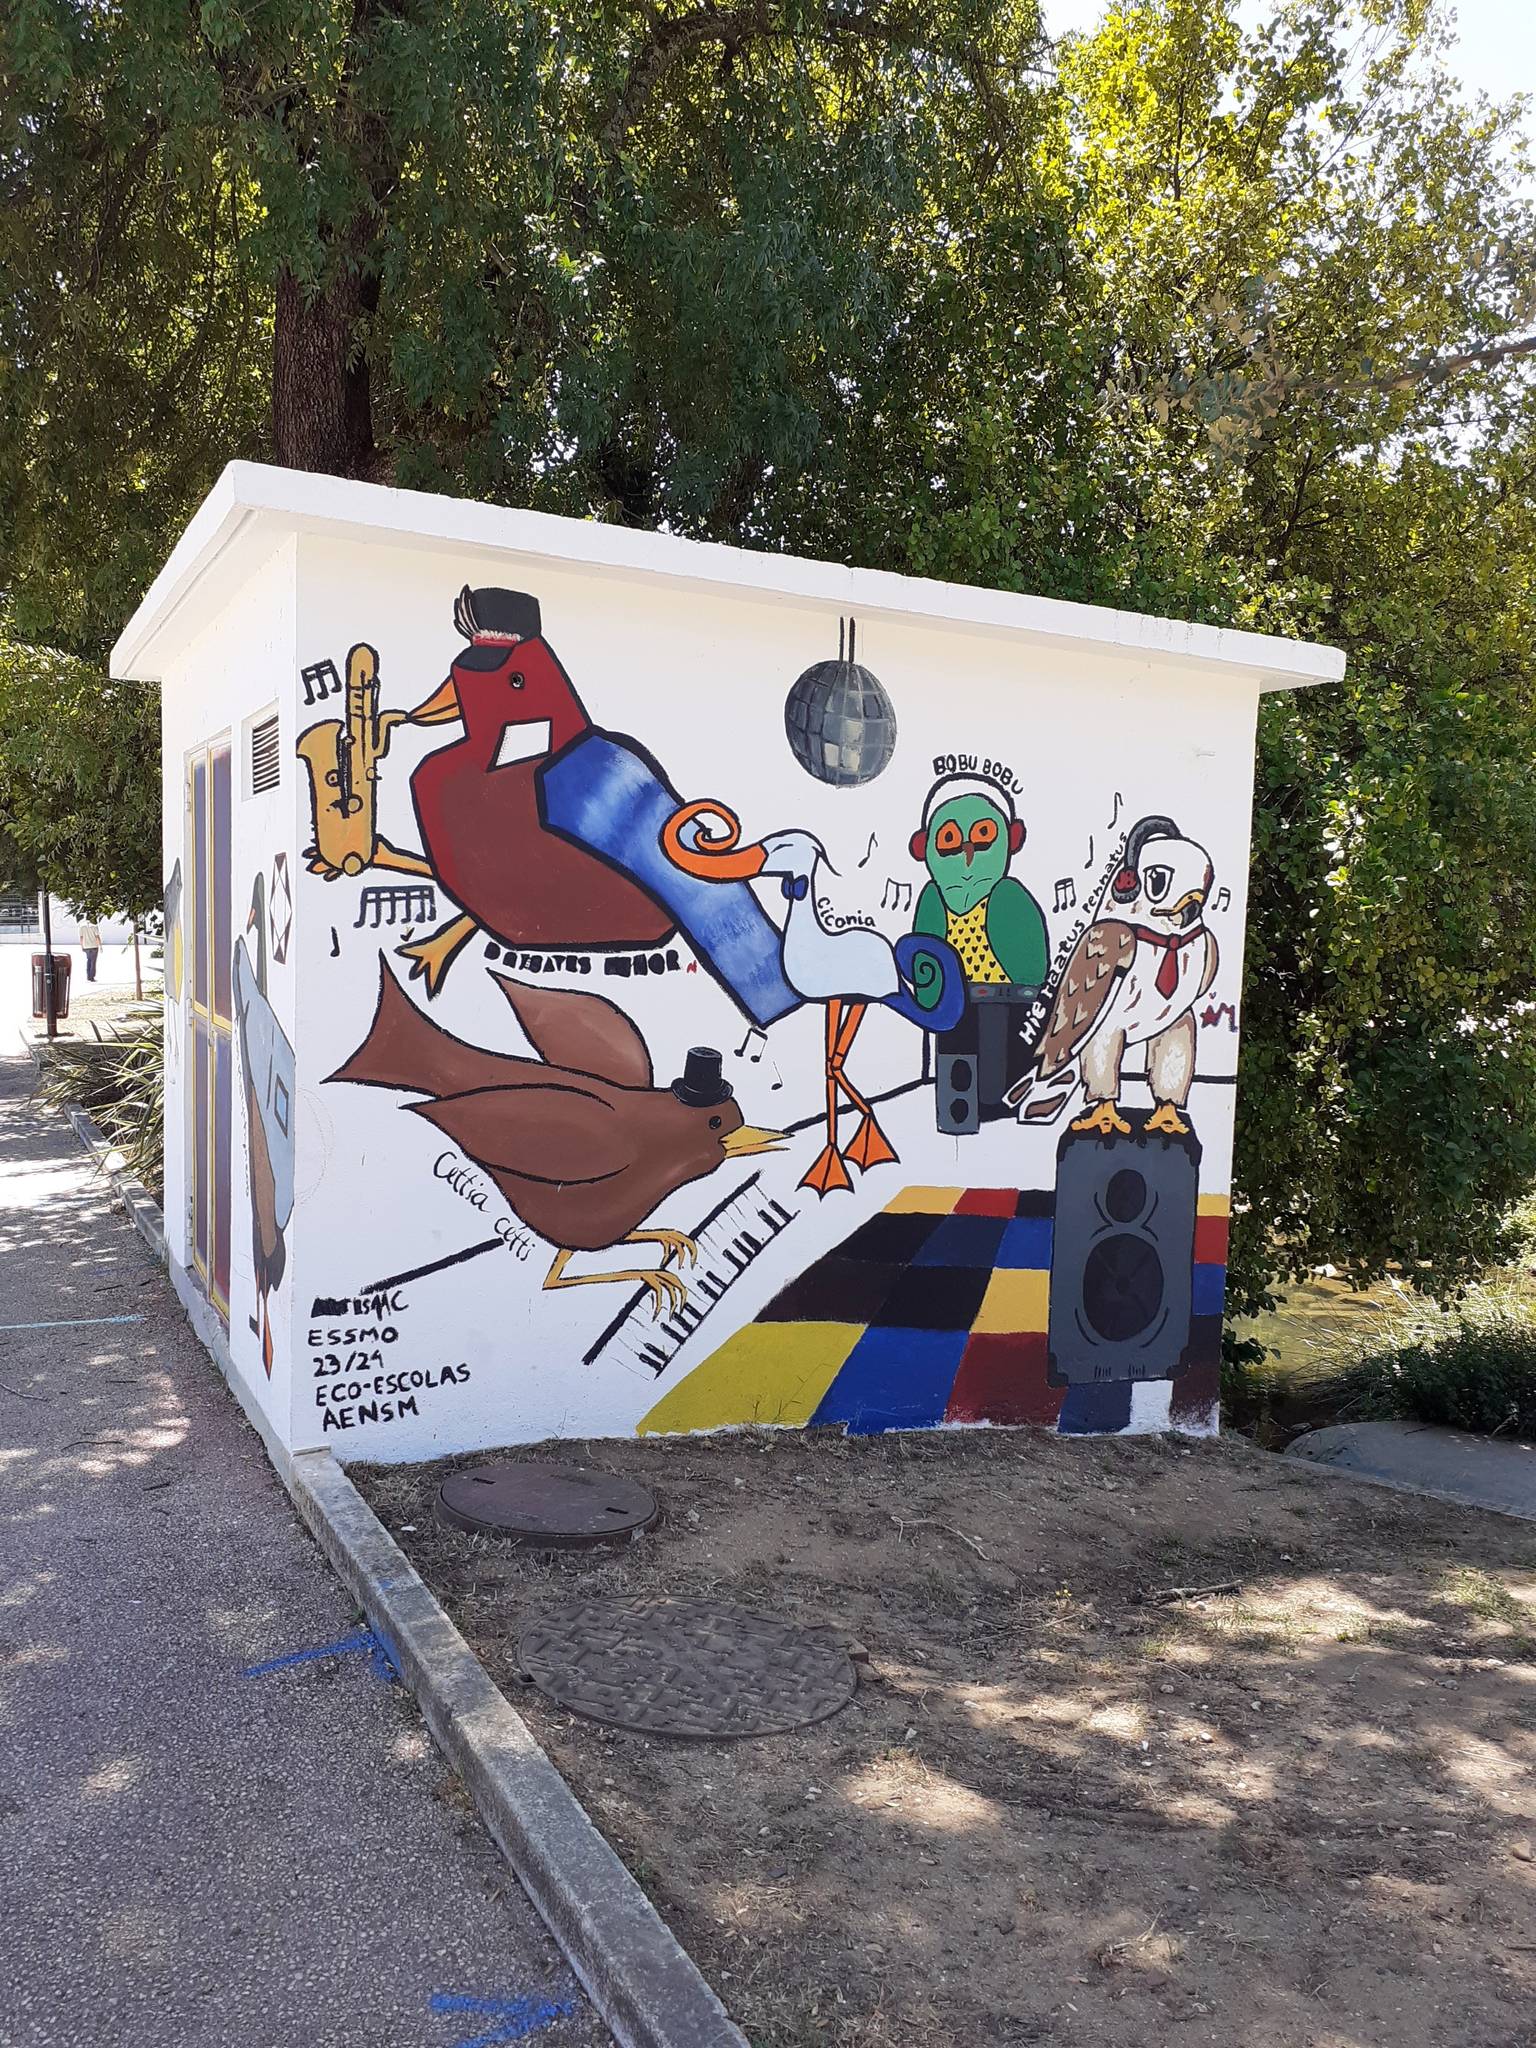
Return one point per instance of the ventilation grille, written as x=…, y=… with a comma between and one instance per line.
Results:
x=266, y=767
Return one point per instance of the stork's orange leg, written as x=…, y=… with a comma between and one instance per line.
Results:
x=828, y=1171
x=870, y=1145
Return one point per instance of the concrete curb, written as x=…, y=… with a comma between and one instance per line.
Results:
x=632, y=1967
x=638, y=1976
x=142, y=1209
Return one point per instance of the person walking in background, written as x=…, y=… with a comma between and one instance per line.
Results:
x=90, y=946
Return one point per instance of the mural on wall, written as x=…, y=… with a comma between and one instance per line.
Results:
x=608, y=796
x=840, y=724
x=174, y=939
x=267, y=1063
x=343, y=756
x=280, y=909
x=1082, y=1293
x=1134, y=978
x=941, y=1308
x=476, y=798
x=918, y=977
x=581, y=1144
x=969, y=836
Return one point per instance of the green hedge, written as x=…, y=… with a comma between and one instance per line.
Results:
x=1472, y=1368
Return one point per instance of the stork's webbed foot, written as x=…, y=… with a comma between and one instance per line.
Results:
x=827, y=1172
x=1104, y=1120
x=870, y=1146
x=1166, y=1118
x=432, y=956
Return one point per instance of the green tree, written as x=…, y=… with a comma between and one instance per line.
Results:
x=79, y=784
x=1233, y=326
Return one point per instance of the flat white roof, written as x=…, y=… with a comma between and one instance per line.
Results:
x=253, y=505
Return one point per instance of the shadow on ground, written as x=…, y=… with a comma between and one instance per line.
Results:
x=1300, y=1814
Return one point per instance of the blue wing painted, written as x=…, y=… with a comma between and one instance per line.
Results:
x=605, y=793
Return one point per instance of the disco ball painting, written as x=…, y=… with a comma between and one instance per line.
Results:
x=840, y=724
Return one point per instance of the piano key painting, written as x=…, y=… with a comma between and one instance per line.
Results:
x=735, y=1233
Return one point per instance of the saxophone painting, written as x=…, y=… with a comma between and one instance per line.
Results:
x=343, y=756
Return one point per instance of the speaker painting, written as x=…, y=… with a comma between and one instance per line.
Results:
x=1122, y=1256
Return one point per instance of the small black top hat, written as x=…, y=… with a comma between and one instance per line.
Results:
x=702, y=1084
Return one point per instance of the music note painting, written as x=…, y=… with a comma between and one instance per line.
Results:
x=998, y=1020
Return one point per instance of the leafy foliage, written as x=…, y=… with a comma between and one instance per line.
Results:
x=1474, y=1368
x=121, y=1081
x=1230, y=325
x=79, y=783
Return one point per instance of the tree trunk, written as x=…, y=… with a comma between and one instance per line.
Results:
x=322, y=408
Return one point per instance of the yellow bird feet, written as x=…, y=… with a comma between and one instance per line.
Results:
x=667, y=1291
x=1104, y=1120
x=676, y=1246
x=870, y=1146
x=432, y=956
x=1166, y=1118
x=828, y=1172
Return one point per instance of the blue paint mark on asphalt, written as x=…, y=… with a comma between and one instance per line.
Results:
x=381, y=1658
x=518, y=2017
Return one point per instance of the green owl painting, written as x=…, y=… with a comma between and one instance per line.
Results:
x=969, y=835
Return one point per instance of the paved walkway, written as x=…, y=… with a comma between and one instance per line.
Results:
x=191, y=1853
x=1474, y=1471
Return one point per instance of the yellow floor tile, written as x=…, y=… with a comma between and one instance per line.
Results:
x=1015, y=1301
x=924, y=1202
x=766, y=1373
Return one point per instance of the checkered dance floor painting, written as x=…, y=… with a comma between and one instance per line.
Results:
x=936, y=1310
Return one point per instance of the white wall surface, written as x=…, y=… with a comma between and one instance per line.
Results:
x=699, y=679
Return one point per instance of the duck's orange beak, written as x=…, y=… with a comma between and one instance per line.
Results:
x=441, y=708
x=713, y=856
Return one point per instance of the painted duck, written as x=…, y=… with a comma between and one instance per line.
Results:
x=919, y=977
x=267, y=1062
x=477, y=803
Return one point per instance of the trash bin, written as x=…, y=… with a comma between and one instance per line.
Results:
x=61, y=967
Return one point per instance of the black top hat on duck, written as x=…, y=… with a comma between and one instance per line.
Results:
x=702, y=1083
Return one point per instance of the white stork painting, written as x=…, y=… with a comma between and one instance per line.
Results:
x=267, y=1061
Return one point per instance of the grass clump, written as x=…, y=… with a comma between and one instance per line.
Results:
x=1469, y=1367
x=120, y=1080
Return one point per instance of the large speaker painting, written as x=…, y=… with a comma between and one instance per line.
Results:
x=1123, y=1255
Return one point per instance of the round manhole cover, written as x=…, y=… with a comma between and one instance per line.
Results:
x=686, y=1667
x=549, y=1507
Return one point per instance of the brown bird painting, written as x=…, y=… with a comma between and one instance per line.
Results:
x=580, y=1141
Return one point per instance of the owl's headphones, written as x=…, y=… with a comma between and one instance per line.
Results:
x=950, y=786
x=1128, y=881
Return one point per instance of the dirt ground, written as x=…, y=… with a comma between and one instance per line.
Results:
x=1304, y=1815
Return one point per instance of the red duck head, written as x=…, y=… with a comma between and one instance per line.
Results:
x=515, y=700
